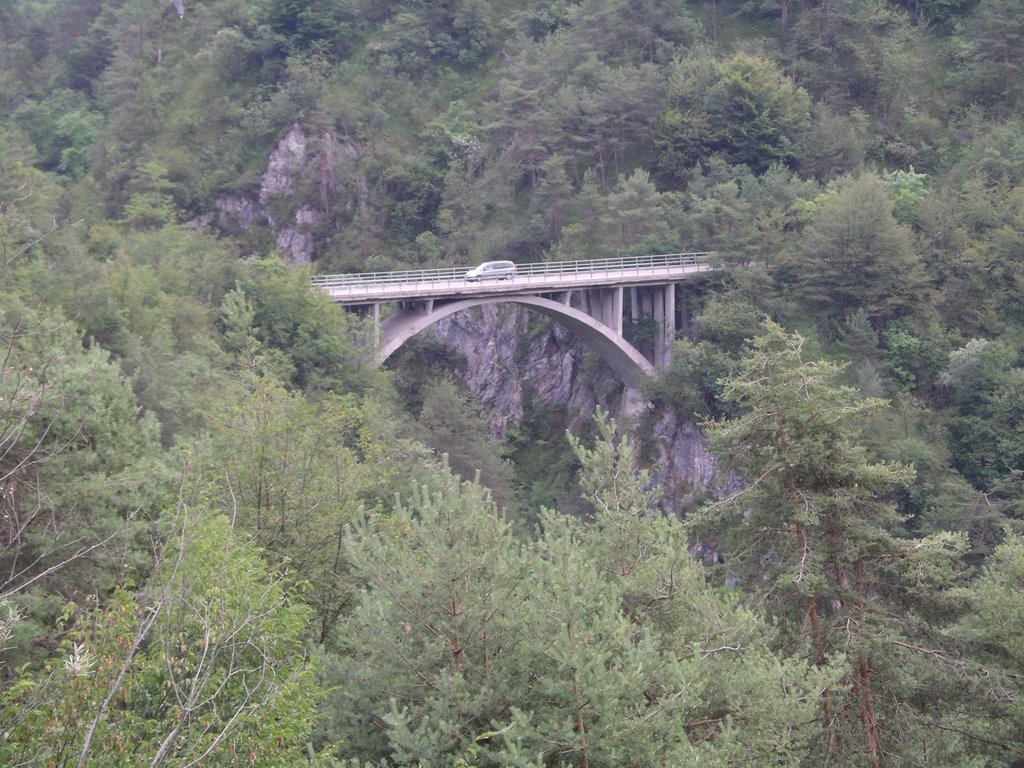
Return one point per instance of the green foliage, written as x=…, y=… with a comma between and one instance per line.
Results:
x=744, y=108
x=417, y=40
x=443, y=133
x=834, y=144
x=79, y=465
x=296, y=474
x=636, y=218
x=27, y=200
x=62, y=128
x=747, y=220
x=858, y=54
x=320, y=25
x=599, y=643
x=812, y=534
x=986, y=389
x=150, y=298
x=250, y=354
x=327, y=348
x=76, y=132
x=546, y=469
x=995, y=37
x=450, y=423
x=415, y=190
x=150, y=205
x=991, y=623
x=758, y=113
x=690, y=385
x=909, y=190
x=914, y=360
x=854, y=254
x=693, y=383
x=204, y=664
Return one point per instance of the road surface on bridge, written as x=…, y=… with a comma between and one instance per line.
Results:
x=535, y=278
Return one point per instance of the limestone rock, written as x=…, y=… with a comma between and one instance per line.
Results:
x=307, y=179
x=508, y=357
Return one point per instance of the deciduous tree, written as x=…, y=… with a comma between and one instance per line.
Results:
x=855, y=255
x=203, y=665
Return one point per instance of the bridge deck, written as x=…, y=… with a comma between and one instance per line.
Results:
x=542, y=277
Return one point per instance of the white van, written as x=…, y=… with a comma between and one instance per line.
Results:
x=492, y=270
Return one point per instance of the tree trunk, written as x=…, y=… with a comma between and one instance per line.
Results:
x=581, y=728
x=821, y=660
x=862, y=682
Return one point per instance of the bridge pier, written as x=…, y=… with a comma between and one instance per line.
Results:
x=417, y=306
x=604, y=305
x=658, y=303
x=375, y=313
x=665, y=333
x=562, y=297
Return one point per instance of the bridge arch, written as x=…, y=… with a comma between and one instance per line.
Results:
x=621, y=356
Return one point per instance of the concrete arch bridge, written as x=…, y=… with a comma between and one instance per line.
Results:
x=589, y=297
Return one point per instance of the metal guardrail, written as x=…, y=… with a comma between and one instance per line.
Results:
x=579, y=267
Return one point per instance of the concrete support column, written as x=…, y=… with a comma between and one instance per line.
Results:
x=608, y=307
x=375, y=311
x=616, y=318
x=659, y=329
x=667, y=333
x=604, y=305
x=659, y=304
x=417, y=306
x=634, y=304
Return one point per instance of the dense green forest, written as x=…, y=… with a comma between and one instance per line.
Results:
x=227, y=539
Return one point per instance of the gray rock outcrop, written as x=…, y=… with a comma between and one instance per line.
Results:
x=508, y=357
x=308, y=179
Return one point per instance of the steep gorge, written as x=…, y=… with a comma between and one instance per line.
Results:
x=514, y=361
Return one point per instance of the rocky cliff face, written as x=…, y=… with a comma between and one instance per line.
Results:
x=300, y=190
x=510, y=356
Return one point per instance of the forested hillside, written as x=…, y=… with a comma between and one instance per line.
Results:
x=227, y=539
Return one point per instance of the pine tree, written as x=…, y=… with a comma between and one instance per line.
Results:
x=993, y=624
x=813, y=535
x=600, y=644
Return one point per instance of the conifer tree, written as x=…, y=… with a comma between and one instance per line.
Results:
x=854, y=254
x=598, y=645
x=813, y=535
x=993, y=623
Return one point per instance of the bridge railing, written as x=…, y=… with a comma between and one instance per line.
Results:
x=578, y=267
